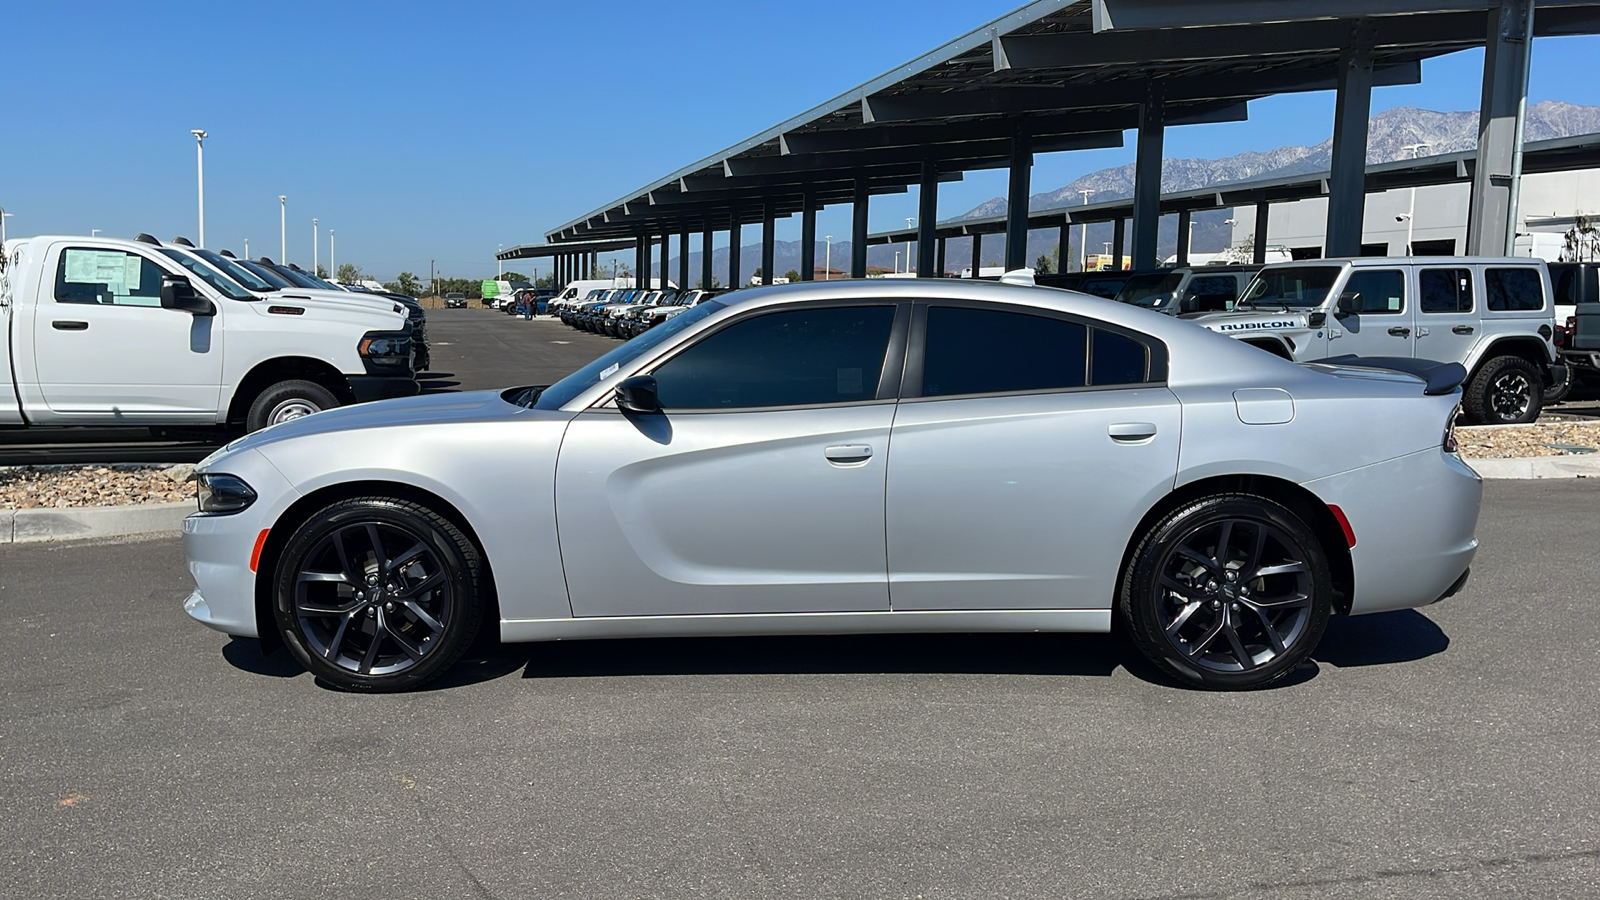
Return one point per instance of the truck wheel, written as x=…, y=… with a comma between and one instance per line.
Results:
x=1508, y=390
x=286, y=401
x=1559, y=390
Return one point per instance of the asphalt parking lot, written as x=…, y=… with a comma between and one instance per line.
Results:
x=1441, y=753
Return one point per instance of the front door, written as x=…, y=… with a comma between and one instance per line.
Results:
x=104, y=348
x=759, y=487
x=1383, y=324
x=1024, y=454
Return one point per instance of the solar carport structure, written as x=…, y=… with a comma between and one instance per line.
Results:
x=1072, y=74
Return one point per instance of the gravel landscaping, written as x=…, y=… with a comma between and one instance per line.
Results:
x=59, y=487
x=1520, y=441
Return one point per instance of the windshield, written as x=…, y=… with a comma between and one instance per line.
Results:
x=237, y=272
x=1301, y=286
x=300, y=279
x=1150, y=291
x=559, y=394
x=266, y=274
x=209, y=275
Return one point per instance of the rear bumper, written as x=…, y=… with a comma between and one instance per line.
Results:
x=1415, y=521
x=382, y=387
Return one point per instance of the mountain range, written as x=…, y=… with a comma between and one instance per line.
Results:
x=1390, y=136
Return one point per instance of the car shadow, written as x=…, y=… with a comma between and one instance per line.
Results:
x=1382, y=639
x=431, y=376
x=438, y=387
x=245, y=654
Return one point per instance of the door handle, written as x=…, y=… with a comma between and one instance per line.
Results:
x=1400, y=331
x=1132, y=432
x=1462, y=329
x=848, y=453
x=60, y=325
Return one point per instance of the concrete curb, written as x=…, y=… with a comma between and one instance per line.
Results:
x=25, y=525
x=1586, y=466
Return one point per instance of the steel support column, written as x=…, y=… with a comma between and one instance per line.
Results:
x=735, y=236
x=1347, y=178
x=1492, y=217
x=1119, y=244
x=808, y=236
x=769, y=241
x=938, y=264
x=977, y=254
x=1064, y=246
x=1147, y=178
x=666, y=260
x=706, y=277
x=1017, y=202
x=858, y=232
x=641, y=273
x=1259, y=246
x=927, y=218
x=683, y=260
x=1185, y=218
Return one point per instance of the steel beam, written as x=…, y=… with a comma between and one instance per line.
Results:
x=1185, y=219
x=1258, y=252
x=858, y=233
x=1017, y=203
x=927, y=218
x=1347, y=178
x=769, y=242
x=808, y=237
x=683, y=259
x=1118, y=242
x=706, y=276
x=1147, y=178
x=735, y=238
x=1107, y=15
x=1492, y=216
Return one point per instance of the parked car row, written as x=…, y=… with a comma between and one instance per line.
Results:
x=627, y=312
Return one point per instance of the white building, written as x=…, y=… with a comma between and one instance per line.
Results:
x=1550, y=201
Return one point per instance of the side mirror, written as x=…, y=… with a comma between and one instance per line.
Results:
x=177, y=293
x=1349, y=304
x=638, y=394
x=1317, y=319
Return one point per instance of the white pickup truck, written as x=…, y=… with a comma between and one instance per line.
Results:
x=109, y=332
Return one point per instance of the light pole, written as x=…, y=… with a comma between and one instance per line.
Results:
x=910, y=223
x=897, y=262
x=93, y=232
x=1083, y=236
x=246, y=248
x=1411, y=210
x=827, y=258
x=200, y=177
x=283, y=234
x=333, y=261
x=315, y=240
x=499, y=264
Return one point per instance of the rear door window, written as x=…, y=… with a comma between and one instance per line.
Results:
x=1513, y=289
x=1445, y=290
x=991, y=351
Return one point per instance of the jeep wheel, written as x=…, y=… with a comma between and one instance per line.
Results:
x=1508, y=390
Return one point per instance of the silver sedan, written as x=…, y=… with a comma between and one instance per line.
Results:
x=849, y=457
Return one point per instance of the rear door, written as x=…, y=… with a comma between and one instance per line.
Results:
x=1447, y=313
x=1026, y=447
x=103, y=348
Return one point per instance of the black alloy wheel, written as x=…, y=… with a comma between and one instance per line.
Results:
x=1508, y=390
x=377, y=594
x=1229, y=592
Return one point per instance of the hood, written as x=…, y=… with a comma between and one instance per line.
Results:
x=411, y=412
x=1254, y=320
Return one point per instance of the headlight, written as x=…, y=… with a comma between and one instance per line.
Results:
x=385, y=348
x=220, y=493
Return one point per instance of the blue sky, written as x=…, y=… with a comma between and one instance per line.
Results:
x=421, y=131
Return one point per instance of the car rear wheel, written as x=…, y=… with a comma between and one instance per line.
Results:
x=1508, y=390
x=378, y=594
x=1228, y=592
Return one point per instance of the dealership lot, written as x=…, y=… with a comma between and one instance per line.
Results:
x=1445, y=752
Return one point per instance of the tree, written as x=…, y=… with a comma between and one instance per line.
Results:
x=545, y=281
x=349, y=273
x=793, y=275
x=321, y=272
x=407, y=283
x=1042, y=265
x=512, y=276
x=756, y=275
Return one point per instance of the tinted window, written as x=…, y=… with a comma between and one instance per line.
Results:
x=108, y=277
x=209, y=275
x=1445, y=290
x=980, y=351
x=1150, y=290
x=1514, y=290
x=1379, y=292
x=1568, y=285
x=1116, y=359
x=795, y=358
x=1213, y=286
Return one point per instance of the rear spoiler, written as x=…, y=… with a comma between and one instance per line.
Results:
x=1439, y=378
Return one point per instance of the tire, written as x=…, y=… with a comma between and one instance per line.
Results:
x=286, y=401
x=1508, y=390
x=390, y=620
x=1558, y=391
x=1203, y=617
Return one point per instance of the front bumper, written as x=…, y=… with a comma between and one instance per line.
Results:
x=219, y=547
x=382, y=387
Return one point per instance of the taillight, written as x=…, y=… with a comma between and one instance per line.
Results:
x=1449, y=442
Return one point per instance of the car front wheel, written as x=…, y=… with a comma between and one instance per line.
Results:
x=1229, y=592
x=378, y=594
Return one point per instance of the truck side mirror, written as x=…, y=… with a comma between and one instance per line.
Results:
x=638, y=394
x=177, y=293
x=1349, y=304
